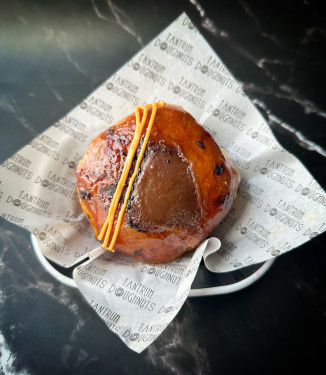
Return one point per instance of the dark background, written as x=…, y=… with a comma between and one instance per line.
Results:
x=52, y=55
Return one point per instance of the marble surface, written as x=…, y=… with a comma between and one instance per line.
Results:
x=53, y=54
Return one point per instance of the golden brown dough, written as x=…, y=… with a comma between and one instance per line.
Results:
x=184, y=188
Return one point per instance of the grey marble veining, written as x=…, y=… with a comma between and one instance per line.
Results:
x=52, y=55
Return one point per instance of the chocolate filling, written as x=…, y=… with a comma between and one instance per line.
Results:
x=164, y=193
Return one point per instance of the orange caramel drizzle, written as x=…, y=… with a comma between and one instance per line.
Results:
x=108, y=224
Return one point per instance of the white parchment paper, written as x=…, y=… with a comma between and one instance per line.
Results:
x=279, y=205
x=137, y=301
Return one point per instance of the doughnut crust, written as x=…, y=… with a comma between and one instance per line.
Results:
x=184, y=188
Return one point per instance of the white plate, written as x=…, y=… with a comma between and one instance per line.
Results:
x=231, y=281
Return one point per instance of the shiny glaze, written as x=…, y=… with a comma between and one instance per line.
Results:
x=141, y=120
x=175, y=204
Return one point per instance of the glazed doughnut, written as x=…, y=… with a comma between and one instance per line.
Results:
x=183, y=187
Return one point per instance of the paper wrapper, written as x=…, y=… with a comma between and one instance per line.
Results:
x=279, y=205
